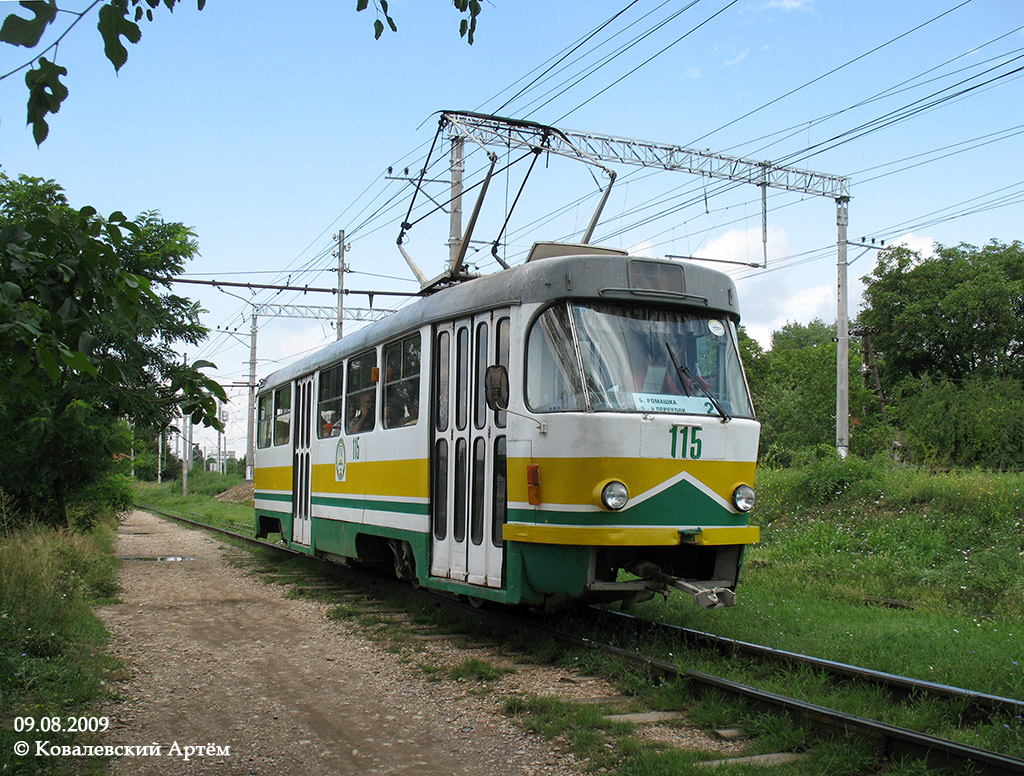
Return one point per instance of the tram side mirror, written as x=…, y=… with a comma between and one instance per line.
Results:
x=496, y=387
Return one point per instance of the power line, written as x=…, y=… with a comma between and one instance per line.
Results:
x=833, y=71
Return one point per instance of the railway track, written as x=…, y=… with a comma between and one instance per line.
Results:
x=893, y=742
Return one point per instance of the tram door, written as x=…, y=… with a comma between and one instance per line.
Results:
x=468, y=489
x=302, y=485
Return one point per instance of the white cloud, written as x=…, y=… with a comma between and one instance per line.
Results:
x=925, y=246
x=768, y=304
x=738, y=58
x=691, y=74
x=790, y=5
x=745, y=245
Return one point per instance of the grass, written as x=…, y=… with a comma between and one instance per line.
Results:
x=53, y=659
x=838, y=536
x=203, y=486
x=474, y=669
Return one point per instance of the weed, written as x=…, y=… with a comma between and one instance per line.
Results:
x=480, y=670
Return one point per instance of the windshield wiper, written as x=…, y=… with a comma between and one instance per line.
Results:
x=685, y=373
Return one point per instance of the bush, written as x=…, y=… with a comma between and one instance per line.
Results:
x=977, y=423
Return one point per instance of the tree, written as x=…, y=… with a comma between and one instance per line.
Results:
x=119, y=19
x=86, y=340
x=957, y=313
x=949, y=329
x=794, y=391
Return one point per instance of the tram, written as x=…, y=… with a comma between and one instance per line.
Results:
x=575, y=428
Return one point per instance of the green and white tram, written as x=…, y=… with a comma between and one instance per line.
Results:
x=574, y=428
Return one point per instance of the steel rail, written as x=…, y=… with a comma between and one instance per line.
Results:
x=892, y=741
x=902, y=684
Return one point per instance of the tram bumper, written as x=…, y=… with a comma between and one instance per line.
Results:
x=572, y=563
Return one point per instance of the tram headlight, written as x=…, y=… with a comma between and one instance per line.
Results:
x=743, y=498
x=614, y=495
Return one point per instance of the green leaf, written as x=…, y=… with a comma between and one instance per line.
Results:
x=114, y=24
x=378, y=29
x=391, y=24
x=361, y=5
x=78, y=361
x=48, y=359
x=27, y=32
x=11, y=292
x=45, y=95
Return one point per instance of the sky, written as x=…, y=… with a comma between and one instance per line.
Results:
x=270, y=126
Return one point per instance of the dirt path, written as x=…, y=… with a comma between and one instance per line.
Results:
x=217, y=657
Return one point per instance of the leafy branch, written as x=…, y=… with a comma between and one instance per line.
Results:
x=119, y=19
x=46, y=92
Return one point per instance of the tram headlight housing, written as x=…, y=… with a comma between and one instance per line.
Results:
x=614, y=495
x=743, y=498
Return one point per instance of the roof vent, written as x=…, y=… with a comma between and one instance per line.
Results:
x=549, y=250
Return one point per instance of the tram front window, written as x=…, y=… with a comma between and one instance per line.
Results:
x=634, y=359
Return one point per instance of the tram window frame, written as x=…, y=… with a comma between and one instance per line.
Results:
x=462, y=356
x=282, y=415
x=443, y=380
x=331, y=377
x=502, y=346
x=478, y=473
x=360, y=382
x=499, y=490
x=402, y=366
x=480, y=342
x=461, y=489
x=440, y=489
x=265, y=420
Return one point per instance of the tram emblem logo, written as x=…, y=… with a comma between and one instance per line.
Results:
x=340, y=462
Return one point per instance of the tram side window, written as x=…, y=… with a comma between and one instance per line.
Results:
x=282, y=414
x=361, y=396
x=329, y=406
x=402, y=382
x=265, y=420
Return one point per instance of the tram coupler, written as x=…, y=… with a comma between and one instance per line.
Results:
x=706, y=597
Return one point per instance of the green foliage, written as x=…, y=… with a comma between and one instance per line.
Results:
x=87, y=339
x=956, y=314
x=50, y=642
x=979, y=422
x=52, y=656
x=794, y=391
x=949, y=330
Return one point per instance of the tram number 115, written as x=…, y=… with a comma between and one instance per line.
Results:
x=686, y=442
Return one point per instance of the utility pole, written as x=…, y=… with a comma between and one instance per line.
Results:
x=341, y=279
x=250, y=428
x=455, y=231
x=842, y=335
x=186, y=457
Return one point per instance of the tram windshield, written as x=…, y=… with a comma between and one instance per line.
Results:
x=615, y=358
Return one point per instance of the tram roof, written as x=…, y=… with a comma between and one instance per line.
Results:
x=609, y=278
